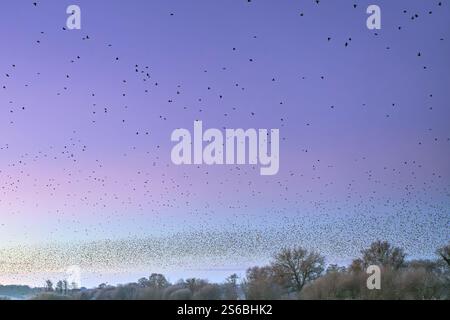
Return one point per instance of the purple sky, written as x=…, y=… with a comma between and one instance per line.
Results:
x=85, y=127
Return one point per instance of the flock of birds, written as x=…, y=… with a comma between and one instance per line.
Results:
x=166, y=216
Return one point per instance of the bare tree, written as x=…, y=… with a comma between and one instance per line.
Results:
x=231, y=287
x=195, y=284
x=65, y=284
x=48, y=286
x=158, y=281
x=59, y=287
x=444, y=253
x=382, y=253
x=144, y=282
x=356, y=266
x=260, y=284
x=103, y=286
x=296, y=267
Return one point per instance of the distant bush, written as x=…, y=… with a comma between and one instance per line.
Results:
x=181, y=294
x=50, y=296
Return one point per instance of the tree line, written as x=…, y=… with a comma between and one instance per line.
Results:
x=293, y=273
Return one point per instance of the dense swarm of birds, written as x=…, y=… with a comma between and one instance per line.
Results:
x=127, y=205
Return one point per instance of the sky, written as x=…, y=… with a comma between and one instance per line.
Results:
x=86, y=118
